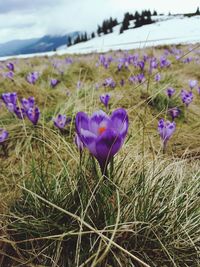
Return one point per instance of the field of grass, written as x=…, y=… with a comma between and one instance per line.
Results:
x=56, y=207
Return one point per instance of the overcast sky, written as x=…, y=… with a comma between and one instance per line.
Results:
x=23, y=19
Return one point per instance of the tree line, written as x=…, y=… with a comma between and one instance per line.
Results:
x=138, y=19
x=108, y=25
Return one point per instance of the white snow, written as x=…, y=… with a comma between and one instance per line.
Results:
x=167, y=30
x=175, y=30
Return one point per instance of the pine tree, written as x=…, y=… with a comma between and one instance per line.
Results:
x=69, y=43
x=99, y=30
x=115, y=22
x=137, y=15
x=121, y=29
x=85, y=37
x=198, y=11
x=77, y=39
x=155, y=13
x=125, y=23
x=105, y=27
x=93, y=35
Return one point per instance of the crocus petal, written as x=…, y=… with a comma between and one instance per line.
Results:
x=107, y=145
x=11, y=107
x=78, y=143
x=33, y=115
x=81, y=122
x=3, y=135
x=119, y=120
x=89, y=140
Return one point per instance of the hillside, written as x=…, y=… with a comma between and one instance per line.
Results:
x=93, y=180
x=35, y=45
x=166, y=30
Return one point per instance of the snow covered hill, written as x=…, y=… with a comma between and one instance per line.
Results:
x=167, y=30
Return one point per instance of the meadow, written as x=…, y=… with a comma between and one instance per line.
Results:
x=125, y=196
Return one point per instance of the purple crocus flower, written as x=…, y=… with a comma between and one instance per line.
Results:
x=157, y=77
x=187, y=97
x=104, y=61
x=11, y=66
x=69, y=60
x=170, y=92
x=20, y=113
x=9, y=75
x=105, y=99
x=54, y=82
x=3, y=135
x=166, y=129
x=145, y=57
x=33, y=114
x=79, y=85
x=174, y=112
x=28, y=103
x=164, y=62
x=122, y=82
x=32, y=77
x=109, y=82
x=153, y=64
x=192, y=84
x=61, y=121
x=132, y=79
x=187, y=60
x=103, y=135
x=126, y=64
x=140, y=77
x=9, y=98
x=141, y=65
x=120, y=65
x=97, y=86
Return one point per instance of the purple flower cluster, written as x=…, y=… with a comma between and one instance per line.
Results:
x=105, y=62
x=28, y=107
x=109, y=82
x=164, y=62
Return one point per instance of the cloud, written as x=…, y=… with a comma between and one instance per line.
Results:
x=33, y=18
x=26, y=5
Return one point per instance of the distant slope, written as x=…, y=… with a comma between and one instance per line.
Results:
x=37, y=45
x=47, y=43
x=11, y=48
